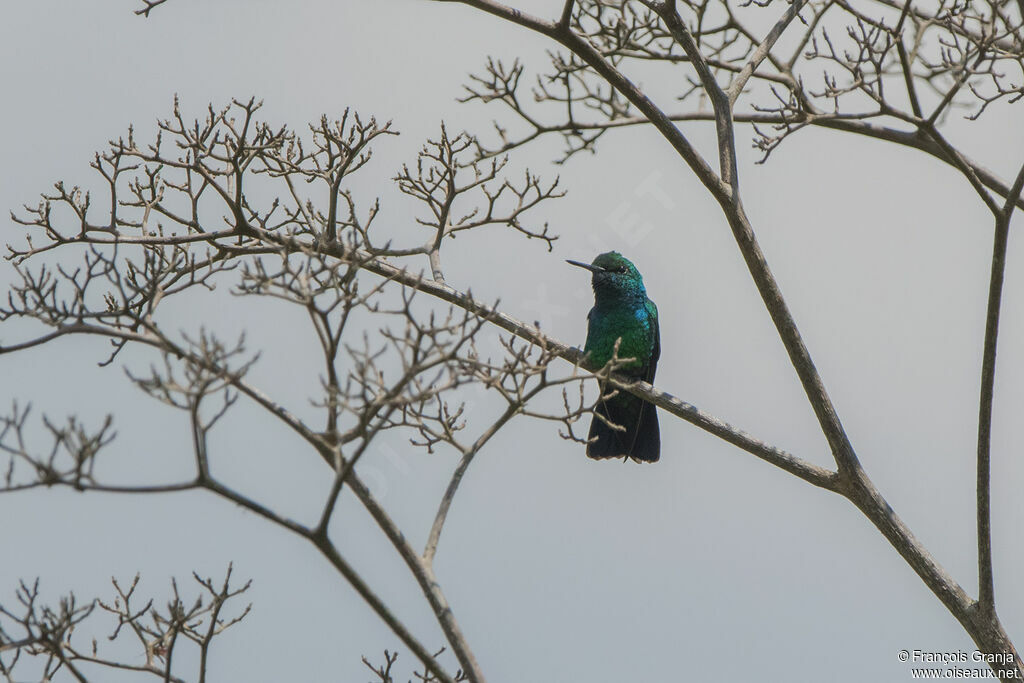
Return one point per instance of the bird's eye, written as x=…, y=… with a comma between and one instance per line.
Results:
x=620, y=269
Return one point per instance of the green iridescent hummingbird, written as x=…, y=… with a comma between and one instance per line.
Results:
x=623, y=312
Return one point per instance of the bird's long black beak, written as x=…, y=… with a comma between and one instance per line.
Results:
x=592, y=269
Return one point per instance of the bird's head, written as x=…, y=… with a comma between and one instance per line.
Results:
x=614, y=275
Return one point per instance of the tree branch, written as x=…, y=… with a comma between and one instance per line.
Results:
x=467, y=457
x=720, y=102
x=563, y=22
x=986, y=589
x=763, y=50
x=150, y=6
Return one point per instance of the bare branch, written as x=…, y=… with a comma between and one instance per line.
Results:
x=986, y=593
x=764, y=48
x=150, y=5
x=50, y=633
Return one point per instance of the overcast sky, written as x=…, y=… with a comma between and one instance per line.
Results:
x=710, y=565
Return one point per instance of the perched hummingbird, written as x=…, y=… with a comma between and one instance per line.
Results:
x=623, y=312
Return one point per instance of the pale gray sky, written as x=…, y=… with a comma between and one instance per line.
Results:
x=710, y=565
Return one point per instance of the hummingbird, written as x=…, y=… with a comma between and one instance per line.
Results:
x=622, y=314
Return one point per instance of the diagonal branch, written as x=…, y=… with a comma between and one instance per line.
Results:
x=467, y=457
x=423, y=574
x=763, y=50
x=150, y=6
x=720, y=102
x=812, y=473
x=393, y=622
x=449, y=495
x=955, y=159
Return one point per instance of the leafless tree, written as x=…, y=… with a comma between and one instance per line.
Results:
x=230, y=198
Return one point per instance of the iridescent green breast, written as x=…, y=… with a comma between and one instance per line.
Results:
x=631, y=323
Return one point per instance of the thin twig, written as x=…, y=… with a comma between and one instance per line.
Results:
x=150, y=6
x=449, y=495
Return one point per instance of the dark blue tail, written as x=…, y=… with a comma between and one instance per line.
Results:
x=641, y=439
